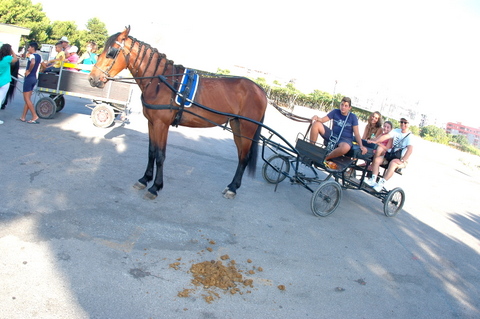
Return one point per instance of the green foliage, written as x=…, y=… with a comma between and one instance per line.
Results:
x=415, y=130
x=59, y=29
x=434, y=134
x=223, y=71
x=459, y=139
x=97, y=32
x=23, y=13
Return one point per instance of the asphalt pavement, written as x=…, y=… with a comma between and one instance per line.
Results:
x=78, y=241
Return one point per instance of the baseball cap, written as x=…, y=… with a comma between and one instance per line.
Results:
x=64, y=39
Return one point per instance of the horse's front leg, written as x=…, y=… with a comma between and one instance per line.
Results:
x=148, y=176
x=158, y=182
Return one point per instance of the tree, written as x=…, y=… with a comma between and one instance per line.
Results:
x=96, y=32
x=23, y=13
x=223, y=71
x=434, y=134
x=320, y=100
x=60, y=29
x=459, y=139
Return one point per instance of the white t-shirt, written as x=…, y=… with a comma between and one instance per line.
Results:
x=401, y=140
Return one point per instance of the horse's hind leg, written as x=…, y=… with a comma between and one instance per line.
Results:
x=231, y=190
x=148, y=176
x=243, y=147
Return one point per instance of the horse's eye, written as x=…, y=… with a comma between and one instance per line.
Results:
x=112, y=53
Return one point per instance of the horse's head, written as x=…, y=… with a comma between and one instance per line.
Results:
x=113, y=59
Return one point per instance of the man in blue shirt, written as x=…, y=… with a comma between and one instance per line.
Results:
x=344, y=123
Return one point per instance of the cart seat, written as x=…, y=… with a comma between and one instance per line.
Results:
x=356, y=152
x=309, y=153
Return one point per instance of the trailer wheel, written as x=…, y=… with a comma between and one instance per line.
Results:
x=394, y=201
x=59, y=101
x=278, y=172
x=46, y=108
x=103, y=116
x=326, y=198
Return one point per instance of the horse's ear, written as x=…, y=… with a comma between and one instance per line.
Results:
x=125, y=32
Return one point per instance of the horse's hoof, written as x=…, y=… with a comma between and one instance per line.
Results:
x=149, y=195
x=228, y=194
x=225, y=190
x=139, y=186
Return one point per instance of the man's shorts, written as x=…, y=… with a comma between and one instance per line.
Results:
x=328, y=133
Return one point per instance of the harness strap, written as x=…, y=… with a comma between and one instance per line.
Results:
x=183, y=96
x=158, y=106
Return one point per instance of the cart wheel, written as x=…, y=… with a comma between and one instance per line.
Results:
x=326, y=198
x=103, y=116
x=278, y=172
x=45, y=108
x=59, y=101
x=394, y=201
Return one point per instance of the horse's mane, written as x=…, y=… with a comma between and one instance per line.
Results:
x=145, y=47
x=111, y=41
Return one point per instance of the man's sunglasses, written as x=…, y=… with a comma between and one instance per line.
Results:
x=403, y=122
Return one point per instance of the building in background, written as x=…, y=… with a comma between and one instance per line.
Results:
x=11, y=34
x=472, y=134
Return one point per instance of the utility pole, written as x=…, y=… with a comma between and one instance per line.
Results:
x=334, y=88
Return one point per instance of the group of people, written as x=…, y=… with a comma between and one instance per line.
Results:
x=65, y=53
x=391, y=147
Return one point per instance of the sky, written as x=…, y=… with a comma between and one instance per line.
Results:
x=425, y=52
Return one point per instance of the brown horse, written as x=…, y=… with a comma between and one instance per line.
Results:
x=231, y=99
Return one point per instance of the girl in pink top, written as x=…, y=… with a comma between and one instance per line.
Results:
x=384, y=146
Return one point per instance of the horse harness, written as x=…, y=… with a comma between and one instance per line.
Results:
x=112, y=53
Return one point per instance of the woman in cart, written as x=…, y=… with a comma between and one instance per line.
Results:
x=345, y=125
x=399, y=154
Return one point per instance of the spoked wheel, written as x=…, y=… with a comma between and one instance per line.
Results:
x=59, y=101
x=45, y=108
x=326, y=198
x=394, y=201
x=278, y=172
x=103, y=116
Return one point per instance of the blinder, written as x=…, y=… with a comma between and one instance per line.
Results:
x=112, y=53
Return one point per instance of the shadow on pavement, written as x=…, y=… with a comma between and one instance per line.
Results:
x=78, y=241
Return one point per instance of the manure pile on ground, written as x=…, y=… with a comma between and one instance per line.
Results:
x=215, y=277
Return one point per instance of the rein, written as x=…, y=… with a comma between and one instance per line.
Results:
x=290, y=115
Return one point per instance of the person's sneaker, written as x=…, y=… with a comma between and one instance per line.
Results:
x=1, y=122
x=379, y=186
x=372, y=181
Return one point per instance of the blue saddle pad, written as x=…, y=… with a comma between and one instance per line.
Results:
x=193, y=89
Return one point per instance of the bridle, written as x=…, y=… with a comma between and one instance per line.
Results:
x=112, y=53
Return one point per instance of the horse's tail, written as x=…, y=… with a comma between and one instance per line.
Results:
x=252, y=161
x=11, y=89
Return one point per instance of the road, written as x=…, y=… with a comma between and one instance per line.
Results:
x=78, y=241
